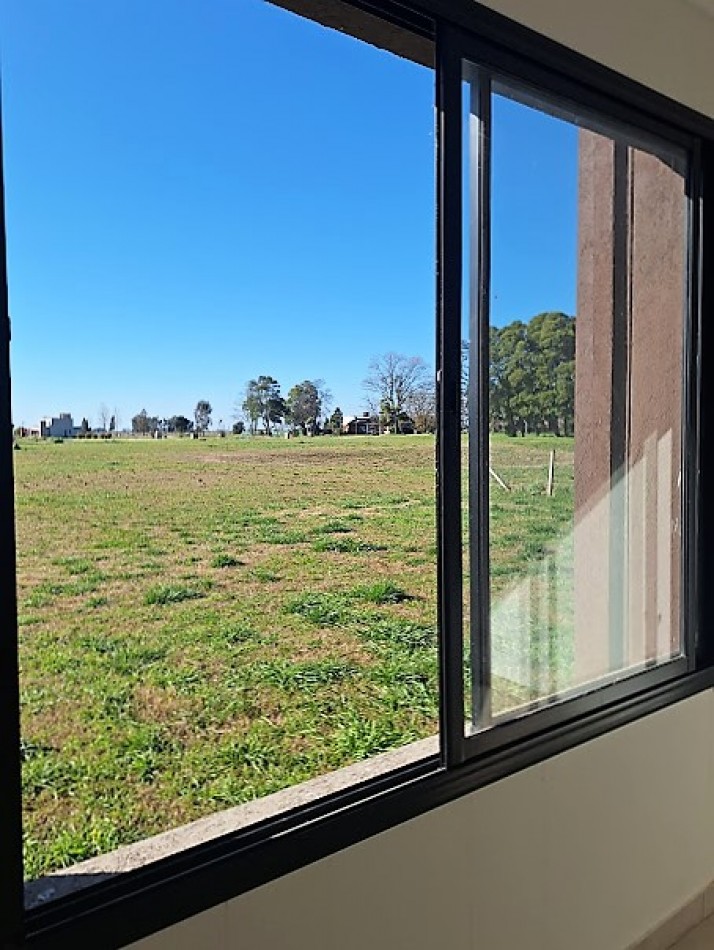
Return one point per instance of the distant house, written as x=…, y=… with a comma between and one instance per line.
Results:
x=56, y=427
x=406, y=426
x=366, y=424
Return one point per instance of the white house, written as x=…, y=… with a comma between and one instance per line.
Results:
x=57, y=427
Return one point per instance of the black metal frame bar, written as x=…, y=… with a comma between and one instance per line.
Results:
x=138, y=903
x=11, y=892
x=693, y=554
x=449, y=277
x=702, y=553
x=479, y=319
x=619, y=400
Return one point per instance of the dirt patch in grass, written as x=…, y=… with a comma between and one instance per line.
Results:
x=153, y=704
x=289, y=459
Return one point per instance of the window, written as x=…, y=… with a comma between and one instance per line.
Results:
x=569, y=317
x=226, y=566
x=570, y=535
x=576, y=538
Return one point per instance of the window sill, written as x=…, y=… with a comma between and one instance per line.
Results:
x=132, y=857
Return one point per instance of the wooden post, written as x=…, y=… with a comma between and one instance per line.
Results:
x=497, y=478
x=551, y=471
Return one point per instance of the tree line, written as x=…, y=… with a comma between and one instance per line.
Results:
x=532, y=376
x=144, y=424
x=399, y=394
x=531, y=386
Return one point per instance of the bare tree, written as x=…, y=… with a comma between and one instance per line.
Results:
x=421, y=407
x=392, y=381
x=325, y=395
x=104, y=416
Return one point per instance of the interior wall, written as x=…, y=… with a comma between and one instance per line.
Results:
x=589, y=849
x=665, y=44
x=586, y=850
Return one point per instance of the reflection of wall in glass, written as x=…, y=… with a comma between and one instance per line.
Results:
x=629, y=342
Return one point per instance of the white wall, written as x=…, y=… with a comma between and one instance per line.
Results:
x=588, y=850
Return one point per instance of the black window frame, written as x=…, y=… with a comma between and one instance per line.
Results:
x=133, y=905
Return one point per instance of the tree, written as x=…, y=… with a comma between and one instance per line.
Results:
x=510, y=383
x=304, y=405
x=202, y=415
x=422, y=408
x=104, y=416
x=238, y=427
x=139, y=424
x=324, y=394
x=263, y=403
x=393, y=381
x=180, y=424
x=552, y=337
x=251, y=407
x=144, y=424
x=252, y=410
x=532, y=375
x=335, y=421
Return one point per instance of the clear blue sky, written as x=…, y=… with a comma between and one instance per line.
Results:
x=200, y=192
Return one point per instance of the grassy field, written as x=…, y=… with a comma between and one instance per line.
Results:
x=205, y=622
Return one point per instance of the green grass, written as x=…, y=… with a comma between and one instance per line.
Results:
x=171, y=594
x=205, y=622
x=323, y=609
x=381, y=592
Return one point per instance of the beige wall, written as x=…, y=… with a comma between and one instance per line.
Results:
x=587, y=850
x=665, y=44
x=583, y=852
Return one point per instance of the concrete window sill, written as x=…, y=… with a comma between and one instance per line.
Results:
x=133, y=856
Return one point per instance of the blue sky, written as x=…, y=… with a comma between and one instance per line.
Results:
x=200, y=192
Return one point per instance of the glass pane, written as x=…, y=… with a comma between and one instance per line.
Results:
x=582, y=300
